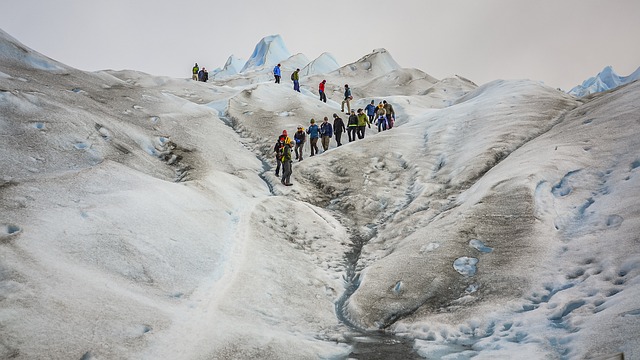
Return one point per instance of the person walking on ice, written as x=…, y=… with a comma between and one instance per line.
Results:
x=371, y=111
x=338, y=128
x=277, y=73
x=323, y=96
x=314, y=134
x=299, y=138
x=347, y=98
x=201, y=74
x=381, y=115
x=326, y=130
x=287, y=169
x=352, y=126
x=363, y=121
x=391, y=115
x=194, y=72
x=295, y=77
x=277, y=148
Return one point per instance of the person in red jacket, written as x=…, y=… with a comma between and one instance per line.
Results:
x=323, y=97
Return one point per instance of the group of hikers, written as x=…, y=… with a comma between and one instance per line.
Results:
x=382, y=115
x=199, y=74
x=295, y=77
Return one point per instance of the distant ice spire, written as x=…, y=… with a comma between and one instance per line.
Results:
x=270, y=51
x=607, y=79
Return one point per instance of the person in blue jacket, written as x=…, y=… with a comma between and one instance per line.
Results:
x=277, y=74
x=347, y=98
x=371, y=111
x=314, y=134
x=326, y=130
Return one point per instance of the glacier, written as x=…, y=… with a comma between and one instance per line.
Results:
x=140, y=217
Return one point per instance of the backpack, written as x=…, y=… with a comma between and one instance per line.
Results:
x=292, y=76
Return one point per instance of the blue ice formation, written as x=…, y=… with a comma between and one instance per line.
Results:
x=607, y=79
x=465, y=265
x=268, y=52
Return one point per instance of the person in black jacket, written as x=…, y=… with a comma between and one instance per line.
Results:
x=299, y=138
x=277, y=149
x=338, y=128
x=352, y=126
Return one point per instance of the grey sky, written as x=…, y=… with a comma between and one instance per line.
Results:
x=560, y=42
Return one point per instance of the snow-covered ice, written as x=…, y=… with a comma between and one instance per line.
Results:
x=141, y=219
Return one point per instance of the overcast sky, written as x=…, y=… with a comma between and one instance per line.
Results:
x=559, y=42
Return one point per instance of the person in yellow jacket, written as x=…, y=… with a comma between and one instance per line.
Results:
x=381, y=117
x=363, y=121
x=194, y=71
x=287, y=169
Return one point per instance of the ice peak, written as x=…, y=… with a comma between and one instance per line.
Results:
x=268, y=52
x=325, y=63
x=605, y=80
x=376, y=63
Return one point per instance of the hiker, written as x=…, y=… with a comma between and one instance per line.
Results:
x=314, y=133
x=194, y=71
x=296, y=80
x=347, y=98
x=203, y=75
x=286, y=163
x=363, y=121
x=391, y=115
x=277, y=148
x=338, y=128
x=277, y=74
x=299, y=137
x=381, y=118
x=326, y=130
x=371, y=111
x=323, y=97
x=352, y=126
